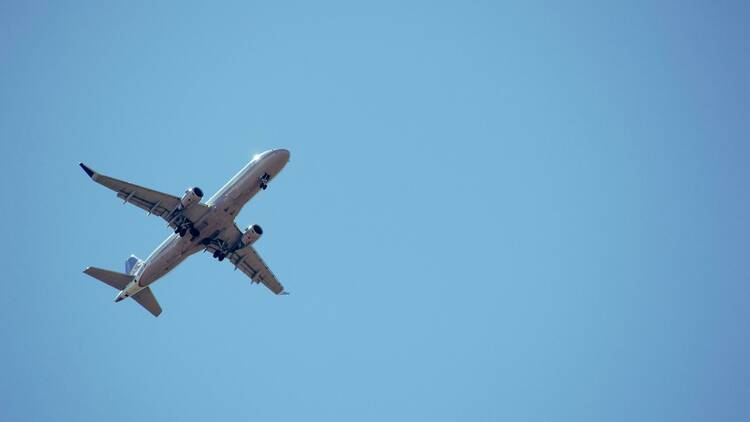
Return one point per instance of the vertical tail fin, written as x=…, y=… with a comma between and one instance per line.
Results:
x=130, y=263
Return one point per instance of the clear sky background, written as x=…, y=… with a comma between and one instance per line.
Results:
x=493, y=211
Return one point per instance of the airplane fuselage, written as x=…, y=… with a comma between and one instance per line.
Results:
x=223, y=207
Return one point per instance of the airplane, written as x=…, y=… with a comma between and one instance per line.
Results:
x=197, y=226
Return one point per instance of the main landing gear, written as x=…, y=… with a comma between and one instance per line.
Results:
x=220, y=247
x=185, y=229
x=263, y=181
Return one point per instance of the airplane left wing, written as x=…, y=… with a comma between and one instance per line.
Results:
x=160, y=204
x=247, y=260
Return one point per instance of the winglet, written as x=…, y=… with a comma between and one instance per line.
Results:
x=88, y=171
x=284, y=293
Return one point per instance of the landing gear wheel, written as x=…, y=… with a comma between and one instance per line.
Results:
x=221, y=257
x=182, y=232
x=264, y=180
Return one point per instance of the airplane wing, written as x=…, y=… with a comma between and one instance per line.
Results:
x=157, y=203
x=247, y=260
x=250, y=263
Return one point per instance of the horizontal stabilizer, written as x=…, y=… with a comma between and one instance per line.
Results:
x=147, y=299
x=114, y=279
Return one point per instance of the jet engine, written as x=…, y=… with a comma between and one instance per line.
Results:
x=251, y=234
x=191, y=196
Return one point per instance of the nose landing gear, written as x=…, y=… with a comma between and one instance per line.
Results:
x=263, y=181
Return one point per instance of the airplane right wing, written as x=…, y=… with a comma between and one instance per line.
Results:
x=247, y=260
x=160, y=204
x=250, y=263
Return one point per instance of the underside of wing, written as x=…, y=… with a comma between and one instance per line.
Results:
x=249, y=262
x=245, y=259
x=154, y=202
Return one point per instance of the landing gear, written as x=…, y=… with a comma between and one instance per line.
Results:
x=184, y=229
x=220, y=247
x=263, y=181
x=194, y=233
x=220, y=255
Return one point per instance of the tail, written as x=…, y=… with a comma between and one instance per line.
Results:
x=145, y=297
x=117, y=280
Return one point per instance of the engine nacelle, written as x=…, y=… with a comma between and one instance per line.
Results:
x=191, y=196
x=251, y=235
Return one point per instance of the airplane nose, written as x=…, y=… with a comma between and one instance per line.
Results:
x=282, y=153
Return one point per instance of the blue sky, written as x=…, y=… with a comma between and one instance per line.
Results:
x=493, y=211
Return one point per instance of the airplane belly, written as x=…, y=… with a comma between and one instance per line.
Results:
x=167, y=259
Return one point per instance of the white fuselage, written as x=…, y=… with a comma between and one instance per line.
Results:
x=223, y=208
